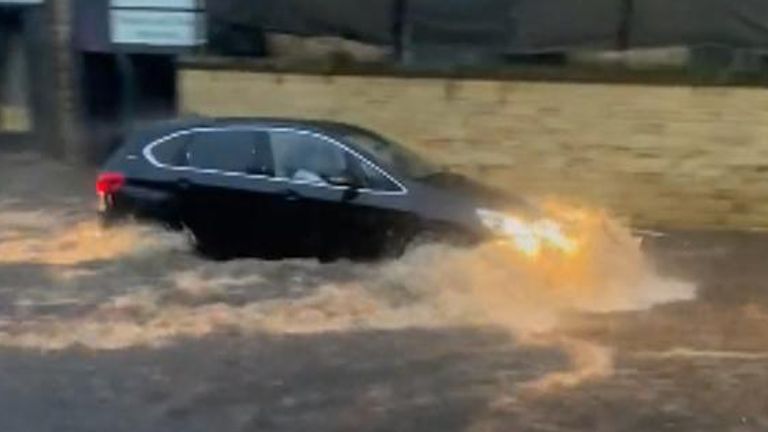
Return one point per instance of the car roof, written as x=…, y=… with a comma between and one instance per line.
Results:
x=332, y=128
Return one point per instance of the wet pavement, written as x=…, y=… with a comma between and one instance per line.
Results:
x=129, y=330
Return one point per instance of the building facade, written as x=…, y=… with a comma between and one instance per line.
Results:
x=75, y=75
x=27, y=66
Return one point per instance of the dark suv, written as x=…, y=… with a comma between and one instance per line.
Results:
x=282, y=188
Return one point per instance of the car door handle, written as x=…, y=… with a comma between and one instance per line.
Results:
x=184, y=184
x=290, y=195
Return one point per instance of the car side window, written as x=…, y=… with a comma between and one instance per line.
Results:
x=308, y=158
x=171, y=152
x=231, y=151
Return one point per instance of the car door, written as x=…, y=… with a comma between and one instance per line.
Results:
x=312, y=205
x=330, y=198
x=382, y=217
x=228, y=194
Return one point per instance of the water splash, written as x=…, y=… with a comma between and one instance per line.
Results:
x=36, y=237
x=432, y=286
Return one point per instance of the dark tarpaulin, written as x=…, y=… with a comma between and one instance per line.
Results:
x=739, y=23
x=544, y=25
x=530, y=26
x=551, y=25
x=370, y=21
x=514, y=26
x=235, y=27
x=504, y=26
x=482, y=23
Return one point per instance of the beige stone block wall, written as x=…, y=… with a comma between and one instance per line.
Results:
x=660, y=155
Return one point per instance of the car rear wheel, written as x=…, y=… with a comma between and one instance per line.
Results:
x=204, y=244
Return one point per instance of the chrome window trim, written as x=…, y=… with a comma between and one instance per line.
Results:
x=147, y=152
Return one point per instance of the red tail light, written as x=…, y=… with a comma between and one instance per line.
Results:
x=109, y=182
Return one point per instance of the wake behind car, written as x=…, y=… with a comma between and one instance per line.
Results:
x=286, y=188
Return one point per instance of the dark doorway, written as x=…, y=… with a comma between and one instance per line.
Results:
x=122, y=91
x=15, y=107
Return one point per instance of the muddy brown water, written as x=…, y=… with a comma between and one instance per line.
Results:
x=130, y=330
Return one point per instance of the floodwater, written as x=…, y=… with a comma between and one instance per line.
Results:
x=128, y=329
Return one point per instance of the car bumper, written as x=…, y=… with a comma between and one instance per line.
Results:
x=113, y=209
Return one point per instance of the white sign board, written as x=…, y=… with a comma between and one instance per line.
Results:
x=156, y=28
x=156, y=4
x=159, y=23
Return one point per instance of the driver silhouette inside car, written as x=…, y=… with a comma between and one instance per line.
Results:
x=316, y=166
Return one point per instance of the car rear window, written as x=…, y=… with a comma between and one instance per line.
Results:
x=172, y=151
x=232, y=151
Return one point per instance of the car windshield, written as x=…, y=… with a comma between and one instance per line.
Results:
x=402, y=159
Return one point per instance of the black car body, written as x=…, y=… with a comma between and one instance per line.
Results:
x=281, y=188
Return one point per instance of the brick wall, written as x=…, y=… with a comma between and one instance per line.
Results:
x=661, y=155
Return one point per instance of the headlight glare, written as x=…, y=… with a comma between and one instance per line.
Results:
x=528, y=237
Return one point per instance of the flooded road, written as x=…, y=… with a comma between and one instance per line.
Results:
x=129, y=330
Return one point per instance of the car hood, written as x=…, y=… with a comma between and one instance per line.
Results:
x=480, y=194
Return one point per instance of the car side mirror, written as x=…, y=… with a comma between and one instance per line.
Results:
x=350, y=185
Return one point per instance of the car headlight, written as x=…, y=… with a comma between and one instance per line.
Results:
x=530, y=237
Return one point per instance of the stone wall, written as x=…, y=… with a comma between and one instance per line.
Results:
x=66, y=95
x=661, y=155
